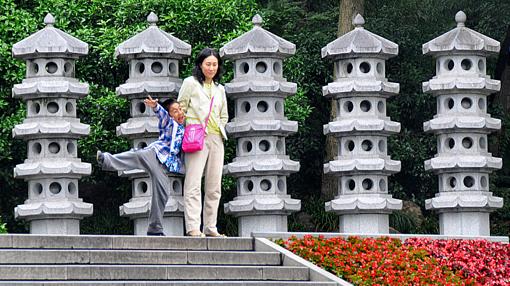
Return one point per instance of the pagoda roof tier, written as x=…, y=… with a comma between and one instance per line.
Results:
x=139, y=207
x=441, y=124
x=272, y=166
x=363, y=203
x=361, y=125
x=480, y=85
x=50, y=127
x=270, y=127
x=257, y=42
x=250, y=205
x=137, y=127
x=140, y=89
x=269, y=87
x=442, y=164
x=153, y=41
x=342, y=166
x=456, y=201
x=49, y=42
x=50, y=87
x=52, y=167
x=359, y=42
x=349, y=88
x=69, y=209
x=461, y=39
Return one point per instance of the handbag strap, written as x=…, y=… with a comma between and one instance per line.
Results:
x=210, y=109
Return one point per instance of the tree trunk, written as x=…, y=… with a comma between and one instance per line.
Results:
x=348, y=10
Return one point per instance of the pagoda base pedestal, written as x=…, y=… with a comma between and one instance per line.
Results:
x=261, y=223
x=172, y=225
x=464, y=223
x=364, y=223
x=55, y=226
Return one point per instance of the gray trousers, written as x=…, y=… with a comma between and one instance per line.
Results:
x=145, y=159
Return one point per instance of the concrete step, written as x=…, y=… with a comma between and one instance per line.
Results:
x=165, y=283
x=161, y=257
x=124, y=242
x=151, y=272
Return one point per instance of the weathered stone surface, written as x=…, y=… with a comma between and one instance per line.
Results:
x=49, y=40
x=346, y=88
x=257, y=42
x=347, y=125
x=462, y=123
x=153, y=56
x=153, y=41
x=51, y=128
x=461, y=39
x=359, y=42
x=260, y=127
x=362, y=166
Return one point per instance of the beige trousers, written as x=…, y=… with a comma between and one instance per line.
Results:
x=207, y=162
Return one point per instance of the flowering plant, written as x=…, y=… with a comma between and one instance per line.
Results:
x=388, y=261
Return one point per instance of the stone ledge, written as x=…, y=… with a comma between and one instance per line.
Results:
x=272, y=166
x=340, y=167
x=344, y=125
x=356, y=204
x=52, y=167
x=139, y=127
x=273, y=87
x=462, y=201
x=461, y=161
x=454, y=123
x=258, y=127
x=479, y=84
x=286, y=235
x=145, y=87
x=47, y=128
x=261, y=205
x=346, y=88
x=61, y=209
x=54, y=86
x=138, y=207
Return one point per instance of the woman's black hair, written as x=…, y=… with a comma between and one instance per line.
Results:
x=197, y=71
x=167, y=103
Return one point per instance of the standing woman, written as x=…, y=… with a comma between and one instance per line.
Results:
x=195, y=97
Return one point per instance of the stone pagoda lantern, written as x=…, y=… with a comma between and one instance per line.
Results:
x=361, y=128
x=462, y=125
x=260, y=127
x=153, y=57
x=51, y=130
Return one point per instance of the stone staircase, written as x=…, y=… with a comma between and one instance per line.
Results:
x=137, y=260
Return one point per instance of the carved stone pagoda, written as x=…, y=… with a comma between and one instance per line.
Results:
x=462, y=124
x=51, y=130
x=360, y=90
x=261, y=165
x=153, y=57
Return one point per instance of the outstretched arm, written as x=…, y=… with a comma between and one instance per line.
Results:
x=161, y=113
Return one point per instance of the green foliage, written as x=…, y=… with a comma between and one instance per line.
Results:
x=103, y=24
x=319, y=220
x=3, y=228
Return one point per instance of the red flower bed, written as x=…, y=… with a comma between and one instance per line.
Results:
x=387, y=261
x=486, y=262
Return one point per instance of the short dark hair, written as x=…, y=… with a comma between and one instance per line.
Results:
x=197, y=71
x=167, y=103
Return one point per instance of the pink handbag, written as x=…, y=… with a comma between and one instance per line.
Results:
x=194, y=135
